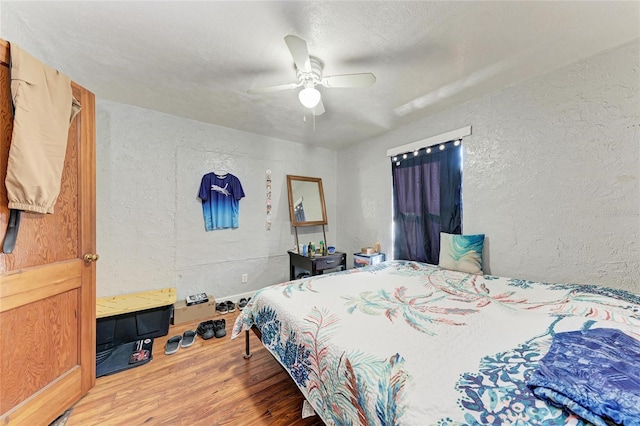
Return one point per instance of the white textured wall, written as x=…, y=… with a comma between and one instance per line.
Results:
x=150, y=229
x=551, y=175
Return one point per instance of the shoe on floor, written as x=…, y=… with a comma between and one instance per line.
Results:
x=231, y=307
x=219, y=327
x=221, y=308
x=242, y=303
x=173, y=344
x=188, y=338
x=206, y=329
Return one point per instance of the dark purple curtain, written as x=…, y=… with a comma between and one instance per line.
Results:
x=427, y=200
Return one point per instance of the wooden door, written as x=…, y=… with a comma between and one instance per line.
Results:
x=47, y=290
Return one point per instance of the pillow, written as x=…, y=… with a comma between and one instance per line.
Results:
x=461, y=252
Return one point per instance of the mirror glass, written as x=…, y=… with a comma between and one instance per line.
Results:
x=306, y=201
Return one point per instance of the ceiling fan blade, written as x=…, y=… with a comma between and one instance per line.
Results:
x=349, y=80
x=299, y=52
x=269, y=89
x=318, y=109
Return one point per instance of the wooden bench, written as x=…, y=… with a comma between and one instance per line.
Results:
x=132, y=302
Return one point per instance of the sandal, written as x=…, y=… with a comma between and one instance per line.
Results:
x=188, y=338
x=173, y=344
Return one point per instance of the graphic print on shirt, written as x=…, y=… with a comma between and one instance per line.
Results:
x=220, y=197
x=223, y=191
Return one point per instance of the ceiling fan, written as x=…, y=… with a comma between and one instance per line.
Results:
x=309, y=73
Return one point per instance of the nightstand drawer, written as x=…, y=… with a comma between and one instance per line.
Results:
x=328, y=262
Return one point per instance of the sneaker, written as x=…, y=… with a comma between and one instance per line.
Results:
x=221, y=308
x=219, y=327
x=231, y=307
x=206, y=329
x=242, y=303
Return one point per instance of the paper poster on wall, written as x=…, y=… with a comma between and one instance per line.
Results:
x=268, y=201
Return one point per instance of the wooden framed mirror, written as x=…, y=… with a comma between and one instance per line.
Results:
x=306, y=201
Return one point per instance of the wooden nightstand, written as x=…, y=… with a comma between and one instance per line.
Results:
x=316, y=265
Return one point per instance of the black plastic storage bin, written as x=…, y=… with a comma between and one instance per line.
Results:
x=124, y=328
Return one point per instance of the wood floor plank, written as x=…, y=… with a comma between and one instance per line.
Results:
x=209, y=383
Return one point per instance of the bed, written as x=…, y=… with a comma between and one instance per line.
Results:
x=409, y=343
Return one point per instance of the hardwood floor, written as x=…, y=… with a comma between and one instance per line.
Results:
x=209, y=383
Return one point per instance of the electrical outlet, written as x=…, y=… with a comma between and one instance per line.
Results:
x=245, y=278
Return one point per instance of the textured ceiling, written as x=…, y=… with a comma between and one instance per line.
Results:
x=197, y=59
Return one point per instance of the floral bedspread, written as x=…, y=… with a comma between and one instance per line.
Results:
x=408, y=343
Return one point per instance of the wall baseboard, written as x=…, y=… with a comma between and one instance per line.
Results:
x=236, y=297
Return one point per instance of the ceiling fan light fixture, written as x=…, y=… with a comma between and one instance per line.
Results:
x=309, y=75
x=309, y=97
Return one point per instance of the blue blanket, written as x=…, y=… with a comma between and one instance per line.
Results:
x=593, y=373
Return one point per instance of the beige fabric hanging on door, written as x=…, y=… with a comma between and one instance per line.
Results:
x=43, y=109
